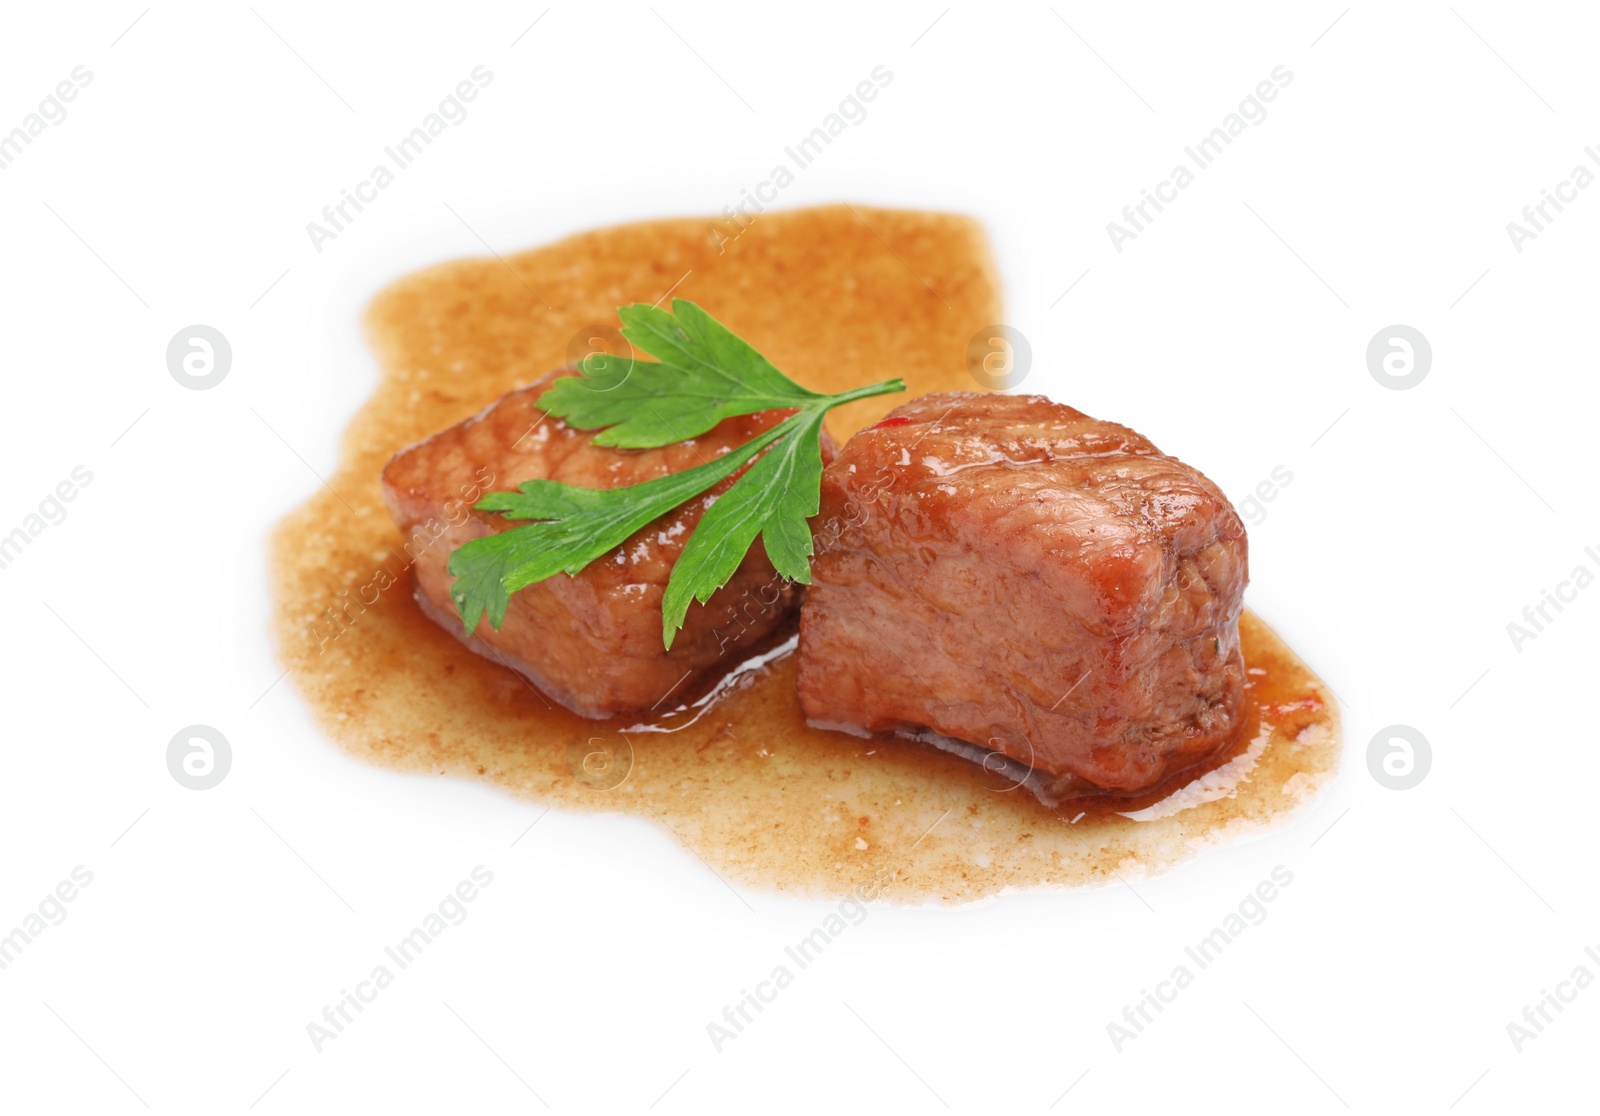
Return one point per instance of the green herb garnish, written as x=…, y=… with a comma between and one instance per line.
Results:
x=705, y=374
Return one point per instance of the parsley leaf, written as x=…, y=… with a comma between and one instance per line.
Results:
x=576, y=526
x=774, y=499
x=706, y=374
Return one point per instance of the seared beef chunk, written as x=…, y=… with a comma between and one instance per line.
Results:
x=1010, y=572
x=592, y=641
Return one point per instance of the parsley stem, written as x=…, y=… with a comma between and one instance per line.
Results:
x=886, y=387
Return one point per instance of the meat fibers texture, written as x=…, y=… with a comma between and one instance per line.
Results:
x=1010, y=572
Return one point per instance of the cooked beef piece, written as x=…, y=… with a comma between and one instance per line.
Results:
x=1010, y=572
x=592, y=641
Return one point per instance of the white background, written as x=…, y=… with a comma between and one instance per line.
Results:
x=1232, y=331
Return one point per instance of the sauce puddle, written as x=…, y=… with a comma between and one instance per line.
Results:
x=836, y=297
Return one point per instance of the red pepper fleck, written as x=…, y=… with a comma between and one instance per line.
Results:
x=897, y=420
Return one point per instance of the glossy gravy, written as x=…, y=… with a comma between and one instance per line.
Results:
x=836, y=297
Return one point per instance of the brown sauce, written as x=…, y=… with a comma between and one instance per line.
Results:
x=835, y=297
